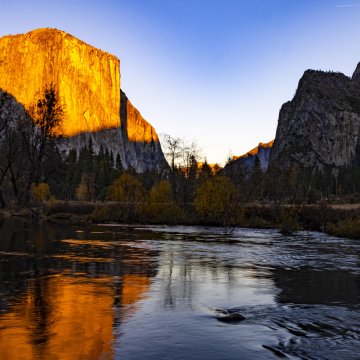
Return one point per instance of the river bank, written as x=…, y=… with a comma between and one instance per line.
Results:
x=341, y=220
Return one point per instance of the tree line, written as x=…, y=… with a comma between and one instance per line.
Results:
x=33, y=170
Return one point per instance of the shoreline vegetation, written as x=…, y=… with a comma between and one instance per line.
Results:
x=342, y=220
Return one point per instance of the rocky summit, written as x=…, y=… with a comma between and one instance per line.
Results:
x=87, y=81
x=243, y=165
x=320, y=126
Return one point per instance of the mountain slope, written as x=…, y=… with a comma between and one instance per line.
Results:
x=244, y=164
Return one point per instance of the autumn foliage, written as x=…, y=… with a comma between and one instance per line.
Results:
x=127, y=188
x=214, y=200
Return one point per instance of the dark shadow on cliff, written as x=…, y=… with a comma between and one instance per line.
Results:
x=147, y=153
x=14, y=122
x=28, y=151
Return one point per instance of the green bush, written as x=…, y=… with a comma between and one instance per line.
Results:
x=289, y=224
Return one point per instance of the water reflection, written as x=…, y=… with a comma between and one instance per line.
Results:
x=54, y=312
x=60, y=299
x=111, y=292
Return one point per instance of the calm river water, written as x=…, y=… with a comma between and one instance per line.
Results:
x=157, y=292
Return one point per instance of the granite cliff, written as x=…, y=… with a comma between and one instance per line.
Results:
x=87, y=81
x=244, y=164
x=320, y=126
x=135, y=140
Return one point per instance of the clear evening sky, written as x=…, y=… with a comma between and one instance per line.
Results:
x=216, y=71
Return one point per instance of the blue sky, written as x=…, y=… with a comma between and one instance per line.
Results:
x=212, y=71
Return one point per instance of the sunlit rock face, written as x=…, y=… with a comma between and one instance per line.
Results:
x=88, y=84
x=135, y=141
x=320, y=126
x=243, y=165
x=86, y=79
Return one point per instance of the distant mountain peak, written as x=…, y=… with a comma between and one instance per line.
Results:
x=244, y=165
x=320, y=126
x=255, y=150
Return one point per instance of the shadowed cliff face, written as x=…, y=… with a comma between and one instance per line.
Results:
x=356, y=75
x=320, y=127
x=87, y=81
x=11, y=110
x=140, y=144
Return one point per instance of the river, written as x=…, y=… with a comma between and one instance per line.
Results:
x=174, y=292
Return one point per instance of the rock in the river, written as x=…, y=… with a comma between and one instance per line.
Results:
x=87, y=81
x=229, y=316
x=320, y=126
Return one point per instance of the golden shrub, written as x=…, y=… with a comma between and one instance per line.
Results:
x=161, y=193
x=127, y=188
x=40, y=192
x=214, y=199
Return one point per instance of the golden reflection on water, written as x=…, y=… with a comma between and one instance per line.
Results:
x=64, y=317
x=134, y=289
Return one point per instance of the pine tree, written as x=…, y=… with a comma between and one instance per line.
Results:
x=118, y=164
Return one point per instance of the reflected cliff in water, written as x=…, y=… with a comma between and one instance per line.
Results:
x=60, y=298
x=53, y=313
x=306, y=286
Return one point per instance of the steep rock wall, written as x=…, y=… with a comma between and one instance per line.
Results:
x=88, y=83
x=86, y=79
x=320, y=127
x=140, y=144
x=135, y=141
